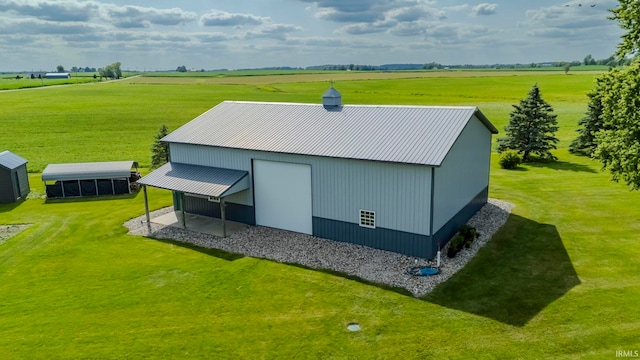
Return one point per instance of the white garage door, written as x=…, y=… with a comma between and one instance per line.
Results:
x=283, y=195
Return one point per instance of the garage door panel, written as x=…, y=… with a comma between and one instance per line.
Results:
x=283, y=195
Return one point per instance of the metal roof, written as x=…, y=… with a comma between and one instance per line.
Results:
x=88, y=171
x=403, y=134
x=332, y=93
x=200, y=180
x=10, y=161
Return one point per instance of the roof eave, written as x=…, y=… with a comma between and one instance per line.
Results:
x=485, y=121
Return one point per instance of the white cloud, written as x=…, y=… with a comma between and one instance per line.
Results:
x=370, y=11
x=272, y=31
x=128, y=16
x=485, y=9
x=570, y=20
x=367, y=28
x=136, y=16
x=223, y=18
x=64, y=10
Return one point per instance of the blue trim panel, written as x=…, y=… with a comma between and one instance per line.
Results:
x=235, y=212
x=462, y=217
x=378, y=238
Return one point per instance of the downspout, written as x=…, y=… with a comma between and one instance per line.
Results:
x=431, y=204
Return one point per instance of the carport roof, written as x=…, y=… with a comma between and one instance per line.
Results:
x=10, y=161
x=200, y=180
x=88, y=171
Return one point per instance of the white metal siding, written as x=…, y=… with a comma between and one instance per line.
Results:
x=463, y=174
x=283, y=195
x=398, y=193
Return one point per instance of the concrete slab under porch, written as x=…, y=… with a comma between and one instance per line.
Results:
x=199, y=223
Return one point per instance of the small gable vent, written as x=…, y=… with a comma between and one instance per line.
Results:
x=332, y=99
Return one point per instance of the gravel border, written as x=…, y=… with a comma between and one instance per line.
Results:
x=370, y=264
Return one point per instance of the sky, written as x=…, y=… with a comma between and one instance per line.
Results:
x=235, y=34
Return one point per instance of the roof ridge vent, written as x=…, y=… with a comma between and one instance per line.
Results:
x=332, y=99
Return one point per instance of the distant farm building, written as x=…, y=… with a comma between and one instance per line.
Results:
x=397, y=178
x=57, y=76
x=14, y=180
x=89, y=179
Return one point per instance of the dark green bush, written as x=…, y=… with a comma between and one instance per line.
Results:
x=463, y=239
x=455, y=245
x=510, y=160
x=468, y=233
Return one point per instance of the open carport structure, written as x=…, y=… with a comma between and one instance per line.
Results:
x=89, y=179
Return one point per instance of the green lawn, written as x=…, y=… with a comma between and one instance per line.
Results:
x=560, y=280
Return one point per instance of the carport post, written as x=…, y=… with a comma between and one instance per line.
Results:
x=223, y=215
x=146, y=206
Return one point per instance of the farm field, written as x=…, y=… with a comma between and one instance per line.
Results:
x=26, y=83
x=560, y=280
x=9, y=81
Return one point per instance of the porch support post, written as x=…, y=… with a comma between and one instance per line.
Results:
x=184, y=218
x=146, y=207
x=223, y=215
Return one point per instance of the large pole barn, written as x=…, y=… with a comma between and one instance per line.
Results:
x=397, y=178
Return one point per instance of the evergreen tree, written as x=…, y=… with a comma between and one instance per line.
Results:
x=160, y=150
x=531, y=128
x=588, y=126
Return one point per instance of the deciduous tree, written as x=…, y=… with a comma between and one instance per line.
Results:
x=618, y=141
x=627, y=14
x=111, y=71
x=532, y=127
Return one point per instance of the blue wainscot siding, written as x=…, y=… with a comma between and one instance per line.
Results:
x=406, y=243
x=379, y=238
x=200, y=206
x=442, y=236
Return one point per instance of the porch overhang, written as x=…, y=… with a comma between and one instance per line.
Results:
x=198, y=180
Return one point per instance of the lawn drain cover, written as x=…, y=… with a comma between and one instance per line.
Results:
x=353, y=327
